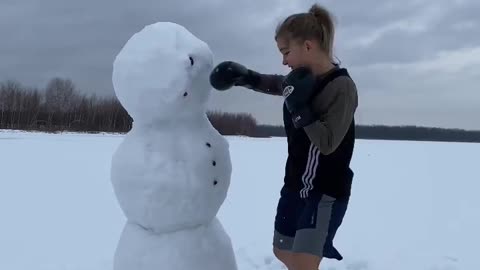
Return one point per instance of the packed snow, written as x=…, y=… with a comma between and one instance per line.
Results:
x=414, y=204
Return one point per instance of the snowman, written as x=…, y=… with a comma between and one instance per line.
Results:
x=171, y=172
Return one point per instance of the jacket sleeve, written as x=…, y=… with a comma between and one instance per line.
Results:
x=269, y=84
x=335, y=106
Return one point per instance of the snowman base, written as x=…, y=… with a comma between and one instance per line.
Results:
x=204, y=247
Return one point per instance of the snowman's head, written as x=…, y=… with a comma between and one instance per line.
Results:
x=162, y=72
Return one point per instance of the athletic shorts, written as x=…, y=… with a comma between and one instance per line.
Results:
x=308, y=225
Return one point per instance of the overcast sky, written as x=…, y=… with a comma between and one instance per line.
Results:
x=415, y=62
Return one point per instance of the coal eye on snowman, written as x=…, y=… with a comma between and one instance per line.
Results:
x=191, y=60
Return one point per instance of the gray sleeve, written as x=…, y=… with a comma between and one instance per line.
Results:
x=336, y=106
x=270, y=84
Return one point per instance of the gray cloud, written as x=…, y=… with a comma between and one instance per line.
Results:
x=72, y=38
x=405, y=31
x=398, y=51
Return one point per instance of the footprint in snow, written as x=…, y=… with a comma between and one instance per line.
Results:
x=358, y=265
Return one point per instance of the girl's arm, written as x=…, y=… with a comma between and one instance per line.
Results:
x=269, y=84
x=336, y=106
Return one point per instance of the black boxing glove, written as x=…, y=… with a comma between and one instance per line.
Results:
x=298, y=89
x=228, y=74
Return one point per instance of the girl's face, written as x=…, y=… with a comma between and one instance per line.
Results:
x=295, y=54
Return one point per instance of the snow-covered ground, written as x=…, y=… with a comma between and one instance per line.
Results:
x=415, y=205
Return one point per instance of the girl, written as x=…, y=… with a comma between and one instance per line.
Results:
x=318, y=112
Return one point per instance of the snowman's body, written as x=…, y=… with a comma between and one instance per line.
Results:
x=172, y=171
x=205, y=247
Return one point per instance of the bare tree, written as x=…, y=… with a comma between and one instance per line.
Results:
x=60, y=95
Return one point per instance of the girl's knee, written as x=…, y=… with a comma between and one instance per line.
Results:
x=284, y=256
x=303, y=261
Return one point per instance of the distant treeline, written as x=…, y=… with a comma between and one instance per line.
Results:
x=379, y=132
x=61, y=107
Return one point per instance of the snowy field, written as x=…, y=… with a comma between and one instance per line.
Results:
x=415, y=205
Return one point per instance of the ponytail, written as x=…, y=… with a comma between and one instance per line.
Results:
x=327, y=29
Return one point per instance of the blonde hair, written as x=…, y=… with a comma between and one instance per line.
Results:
x=316, y=24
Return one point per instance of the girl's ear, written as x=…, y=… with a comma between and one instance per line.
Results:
x=308, y=45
